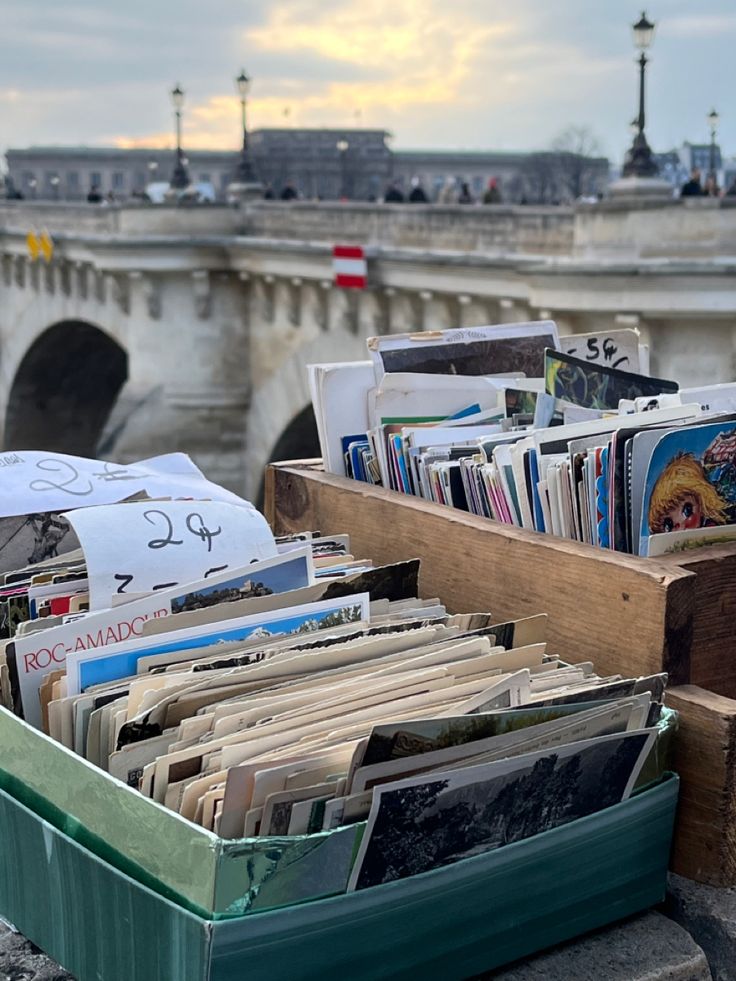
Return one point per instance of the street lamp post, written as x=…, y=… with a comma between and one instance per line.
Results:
x=245, y=173
x=180, y=175
x=152, y=168
x=342, y=147
x=713, y=123
x=639, y=161
x=32, y=185
x=54, y=181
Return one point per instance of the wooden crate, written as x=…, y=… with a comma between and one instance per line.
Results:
x=628, y=615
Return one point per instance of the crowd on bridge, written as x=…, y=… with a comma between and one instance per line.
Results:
x=694, y=188
x=453, y=191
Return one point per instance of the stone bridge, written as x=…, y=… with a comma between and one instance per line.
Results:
x=160, y=328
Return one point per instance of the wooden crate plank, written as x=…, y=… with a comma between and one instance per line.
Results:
x=628, y=616
x=713, y=660
x=705, y=758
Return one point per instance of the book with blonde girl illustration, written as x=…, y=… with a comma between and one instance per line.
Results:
x=691, y=481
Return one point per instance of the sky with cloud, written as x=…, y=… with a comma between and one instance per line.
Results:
x=468, y=74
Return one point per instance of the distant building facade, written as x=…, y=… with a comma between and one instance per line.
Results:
x=675, y=165
x=322, y=163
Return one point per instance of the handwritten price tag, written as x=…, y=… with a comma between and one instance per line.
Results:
x=35, y=481
x=616, y=348
x=151, y=545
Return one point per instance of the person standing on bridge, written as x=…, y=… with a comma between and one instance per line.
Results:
x=393, y=194
x=492, y=194
x=289, y=192
x=465, y=197
x=692, y=188
x=417, y=195
x=448, y=192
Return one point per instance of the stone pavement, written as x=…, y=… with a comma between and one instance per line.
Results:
x=709, y=915
x=649, y=947
x=21, y=961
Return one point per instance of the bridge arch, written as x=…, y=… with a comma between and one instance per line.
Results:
x=64, y=389
x=280, y=412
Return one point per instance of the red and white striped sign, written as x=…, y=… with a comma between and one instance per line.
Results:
x=350, y=267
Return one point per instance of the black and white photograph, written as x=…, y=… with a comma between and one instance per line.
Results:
x=513, y=349
x=520, y=356
x=423, y=823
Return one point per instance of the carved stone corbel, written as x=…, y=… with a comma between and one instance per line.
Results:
x=120, y=292
x=202, y=289
x=295, y=301
x=381, y=318
x=20, y=271
x=151, y=290
x=65, y=278
x=100, y=292
x=352, y=310
x=268, y=288
x=82, y=281
x=322, y=308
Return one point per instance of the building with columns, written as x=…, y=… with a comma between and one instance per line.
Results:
x=323, y=164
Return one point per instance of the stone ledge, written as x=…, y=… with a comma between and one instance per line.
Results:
x=649, y=947
x=709, y=914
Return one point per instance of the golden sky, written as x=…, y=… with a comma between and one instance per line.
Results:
x=409, y=60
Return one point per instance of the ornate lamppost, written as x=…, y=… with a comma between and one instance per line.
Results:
x=245, y=172
x=342, y=146
x=180, y=175
x=713, y=120
x=639, y=161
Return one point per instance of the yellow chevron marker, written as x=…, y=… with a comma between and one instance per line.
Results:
x=46, y=245
x=34, y=246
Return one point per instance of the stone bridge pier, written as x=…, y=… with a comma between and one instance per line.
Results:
x=125, y=359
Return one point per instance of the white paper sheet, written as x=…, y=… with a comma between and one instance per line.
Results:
x=612, y=348
x=339, y=396
x=150, y=545
x=32, y=481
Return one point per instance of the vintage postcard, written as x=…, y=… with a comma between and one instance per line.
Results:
x=596, y=386
x=433, y=820
x=504, y=349
x=690, y=481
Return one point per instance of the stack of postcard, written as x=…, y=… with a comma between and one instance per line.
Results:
x=279, y=688
x=561, y=435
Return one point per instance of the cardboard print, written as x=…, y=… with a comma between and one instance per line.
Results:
x=596, y=386
x=691, y=481
x=684, y=498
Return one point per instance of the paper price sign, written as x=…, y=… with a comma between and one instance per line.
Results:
x=35, y=481
x=150, y=545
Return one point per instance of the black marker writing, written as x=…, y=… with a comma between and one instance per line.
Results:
x=124, y=581
x=202, y=531
x=169, y=539
x=67, y=474
x=211, y=572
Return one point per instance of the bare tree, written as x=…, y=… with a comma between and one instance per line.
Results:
x=578, y=161
x=539, y=174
